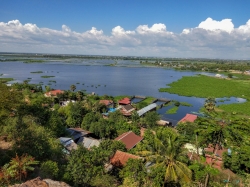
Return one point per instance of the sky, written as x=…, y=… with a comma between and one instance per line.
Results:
x=159, y=28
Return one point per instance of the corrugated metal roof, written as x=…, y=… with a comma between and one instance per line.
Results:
x=146, y=109
x=89, y=142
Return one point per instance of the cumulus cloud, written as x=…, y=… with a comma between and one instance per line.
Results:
x=210, y=39
x=213, y=25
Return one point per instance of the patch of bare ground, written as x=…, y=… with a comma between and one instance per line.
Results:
x=38, y=182
x=4, y=144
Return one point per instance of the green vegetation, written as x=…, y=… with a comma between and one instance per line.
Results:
x=33, y=61
x=4, y=80
x=32, y=123
x=36, y=72
x=47, y=76
x=172, y=110
x=205, y=86
x=185, y=104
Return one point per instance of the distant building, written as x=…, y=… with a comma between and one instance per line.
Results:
x=107, y=103
x=53, y=93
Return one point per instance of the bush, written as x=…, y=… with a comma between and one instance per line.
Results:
x=49, y=169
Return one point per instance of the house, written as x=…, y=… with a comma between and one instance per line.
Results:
x=124, y=101
x=89, y=142
x=188, y=118
x=53, y=93
x=121, y=158
x=127, y=109
x=77, y=134
x=130, y=139
x=107, y=103
x=214, y=156
x=147, y=109
x=68, y=144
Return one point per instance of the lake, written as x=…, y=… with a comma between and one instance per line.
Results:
x=125, y=78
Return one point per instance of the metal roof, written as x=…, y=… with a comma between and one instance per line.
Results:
x=146, y=109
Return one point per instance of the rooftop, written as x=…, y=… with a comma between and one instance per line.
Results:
x=120, y=158
x=146, y=109
x=130, y=139
x=188, y=118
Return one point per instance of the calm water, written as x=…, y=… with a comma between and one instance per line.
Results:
x=94, y=76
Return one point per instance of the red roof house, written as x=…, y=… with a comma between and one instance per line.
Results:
x=188, y=118
x=130, y=139
x=120, y=158
x=124, y=101
x=53, y=93
x=107, y=103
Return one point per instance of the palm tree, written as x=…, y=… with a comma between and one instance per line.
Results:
x=210, y=104
x=167, y=152
x=72, y=87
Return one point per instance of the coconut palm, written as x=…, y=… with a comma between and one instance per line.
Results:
x=210, y=104
x=72, y=87
x=167, y=152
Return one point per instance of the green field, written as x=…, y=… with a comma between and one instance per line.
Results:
x=205, y=86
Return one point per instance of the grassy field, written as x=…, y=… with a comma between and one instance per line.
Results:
x=205, y=86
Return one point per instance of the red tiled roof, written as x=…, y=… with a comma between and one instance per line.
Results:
x=188, y=118
x=54, y=92
x=120, y=158
x=124, y=101
x=106, y=102
x=130, y=139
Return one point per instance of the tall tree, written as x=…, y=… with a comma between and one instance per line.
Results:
x=165, y=151
x=73, y=87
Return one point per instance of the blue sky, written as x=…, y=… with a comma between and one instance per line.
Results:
x=120, y=27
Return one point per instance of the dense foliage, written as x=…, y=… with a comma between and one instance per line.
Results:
x=32, y=123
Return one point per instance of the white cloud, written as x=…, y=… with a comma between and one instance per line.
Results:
x=156, y=28
x=213, y=25
x=210, y=39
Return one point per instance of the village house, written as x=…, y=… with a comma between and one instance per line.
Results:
x=188, y=118
x=107, y=103
x=53, y=93
x=130, y=139
x=124, y=101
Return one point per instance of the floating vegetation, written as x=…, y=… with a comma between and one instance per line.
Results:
x=52, y=81
x=186, y=104
x=77, y=83
x=40, y=82
x=82, y=83
x=172, y=110
x=36, y=72
x=29, y=78
x=47, y=76
x=49, y=84
x=1, y=74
